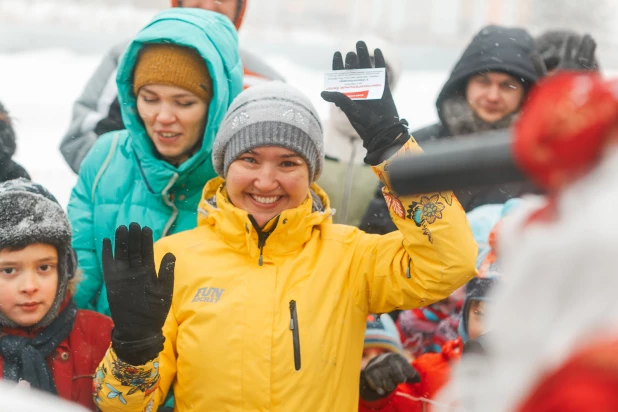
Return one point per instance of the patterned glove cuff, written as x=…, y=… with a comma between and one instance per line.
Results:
x=139, y=344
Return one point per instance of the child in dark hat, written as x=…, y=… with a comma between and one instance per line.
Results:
x=44, y=340
x=8, y=168
x=383, y=355
x=393, y=391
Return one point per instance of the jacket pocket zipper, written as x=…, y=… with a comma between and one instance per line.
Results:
x=295, y=334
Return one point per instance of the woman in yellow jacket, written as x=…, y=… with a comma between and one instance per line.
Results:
x=270, y=298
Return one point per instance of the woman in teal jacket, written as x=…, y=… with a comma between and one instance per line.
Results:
x=127, y=175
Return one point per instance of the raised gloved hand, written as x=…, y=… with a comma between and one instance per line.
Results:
x=376, y=121
x=139, y=301
x=578, y=54
x=382, y=375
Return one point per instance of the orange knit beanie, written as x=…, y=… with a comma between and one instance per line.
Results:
x=173, y=65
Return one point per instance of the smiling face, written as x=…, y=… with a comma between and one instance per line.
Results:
x=174, y=119
x=267, y=180
x=494, y=95
x=28, y=282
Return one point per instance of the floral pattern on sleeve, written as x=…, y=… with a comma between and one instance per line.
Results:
x=425, y=209
x=125, y=380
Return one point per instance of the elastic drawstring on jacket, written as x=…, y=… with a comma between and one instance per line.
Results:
x=262, y=236
x=408, y=275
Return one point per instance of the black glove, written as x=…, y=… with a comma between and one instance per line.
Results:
x=376, y=121
x=382, y=375
x=578, y=55
x=139, y=301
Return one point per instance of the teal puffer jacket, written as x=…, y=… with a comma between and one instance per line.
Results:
x=122, y=180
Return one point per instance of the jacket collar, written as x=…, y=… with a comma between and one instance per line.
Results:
x=160, y=176
x=287, y=232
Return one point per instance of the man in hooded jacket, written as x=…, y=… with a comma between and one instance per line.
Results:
x=484, y=92
x=97, y=110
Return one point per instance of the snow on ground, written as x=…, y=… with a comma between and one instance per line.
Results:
x=39, y=88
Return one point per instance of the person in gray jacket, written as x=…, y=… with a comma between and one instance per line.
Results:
x=97, y=110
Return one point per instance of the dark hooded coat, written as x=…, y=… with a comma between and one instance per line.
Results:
x=493, y=49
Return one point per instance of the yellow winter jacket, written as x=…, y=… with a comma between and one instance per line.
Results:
x=276, y=322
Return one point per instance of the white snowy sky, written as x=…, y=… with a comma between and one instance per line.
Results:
x=49, y=49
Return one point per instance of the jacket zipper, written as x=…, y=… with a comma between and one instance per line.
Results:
x=262, y=236
x=295, y=334
x=408, y=275
x=170, y=203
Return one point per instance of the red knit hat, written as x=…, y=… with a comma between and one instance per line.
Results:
x=563, y=127
x=240, y=11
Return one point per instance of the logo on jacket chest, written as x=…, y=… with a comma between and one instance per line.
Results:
x=208, y=295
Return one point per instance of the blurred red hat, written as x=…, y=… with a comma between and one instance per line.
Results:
x=564, y=126
x=587, y=382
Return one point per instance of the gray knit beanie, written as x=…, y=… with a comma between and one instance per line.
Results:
x=270, y=114
x=30, y=214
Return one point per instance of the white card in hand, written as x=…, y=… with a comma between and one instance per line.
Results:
x=362, y=84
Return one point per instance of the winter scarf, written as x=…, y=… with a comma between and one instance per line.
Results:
x=461, y=119
x=24, y=357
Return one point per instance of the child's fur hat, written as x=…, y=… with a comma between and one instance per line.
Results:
x=30, y=214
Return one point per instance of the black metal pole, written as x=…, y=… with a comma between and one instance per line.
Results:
x=457, y=163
